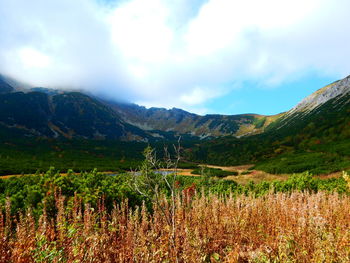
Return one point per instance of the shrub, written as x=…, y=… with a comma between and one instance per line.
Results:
x=213, y=172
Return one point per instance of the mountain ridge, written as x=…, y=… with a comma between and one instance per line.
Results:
x=183, y=122
x=133, y=122
x=41, y=127
x=67, y=115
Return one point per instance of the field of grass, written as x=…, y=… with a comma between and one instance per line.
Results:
x=94, y=217
x=284, y=227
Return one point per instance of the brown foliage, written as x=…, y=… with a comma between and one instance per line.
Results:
x=296, y=227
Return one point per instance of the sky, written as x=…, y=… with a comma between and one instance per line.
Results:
x=204, y=56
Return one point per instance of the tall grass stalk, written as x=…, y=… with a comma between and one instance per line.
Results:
x=282, y=227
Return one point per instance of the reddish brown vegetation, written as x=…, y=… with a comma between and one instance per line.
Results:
x=188, y=194
x=295, y=227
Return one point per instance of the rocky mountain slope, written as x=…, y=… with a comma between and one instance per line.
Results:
x=326, y=106
x=182, y=122
x=338, y=89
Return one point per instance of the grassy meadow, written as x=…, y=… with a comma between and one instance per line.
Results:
x=94, y=217
x=264, y=212
x=282, y=227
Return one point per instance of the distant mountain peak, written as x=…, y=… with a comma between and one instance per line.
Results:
x=339, y=88
x=331, y=99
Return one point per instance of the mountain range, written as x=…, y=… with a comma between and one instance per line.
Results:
x=53, y=113
x=319, y=120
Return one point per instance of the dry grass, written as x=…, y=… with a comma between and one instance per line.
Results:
x=257, y=176
x=296, y=227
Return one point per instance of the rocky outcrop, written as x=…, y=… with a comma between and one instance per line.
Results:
x=337, y=89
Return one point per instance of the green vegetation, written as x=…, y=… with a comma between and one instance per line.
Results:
x=37, y=190
x=187, y=165
x=21, y=155
x=321, y=156
x=259, y=123
x=276, y=157
x=318, y=142
x=314, y=162
x=212, y=172
x=90, y=206
x=29, y=155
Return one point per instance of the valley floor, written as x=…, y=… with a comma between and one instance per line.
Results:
x=245, y=175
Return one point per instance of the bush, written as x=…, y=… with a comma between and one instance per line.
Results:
x=213, y=172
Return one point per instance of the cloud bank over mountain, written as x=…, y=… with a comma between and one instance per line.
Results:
x=171, y=53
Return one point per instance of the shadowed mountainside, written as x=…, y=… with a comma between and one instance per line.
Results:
x=68, y=115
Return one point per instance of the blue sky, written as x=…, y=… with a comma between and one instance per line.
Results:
x=252, y=98
x=212, y=56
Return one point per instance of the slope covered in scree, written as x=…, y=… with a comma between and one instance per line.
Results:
x=324, y=107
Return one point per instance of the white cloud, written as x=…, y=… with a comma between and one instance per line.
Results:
x=31, y=58
x=171, y=52
x=199, y=95
x=139, y=29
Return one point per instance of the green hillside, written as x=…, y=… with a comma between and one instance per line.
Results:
x=318, y=141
